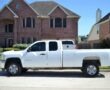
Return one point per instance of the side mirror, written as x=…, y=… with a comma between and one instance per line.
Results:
x=29, y=50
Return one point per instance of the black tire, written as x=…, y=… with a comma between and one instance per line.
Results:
x=24, y=70
x=91, y=70
x=82, y=69
x=13, y=68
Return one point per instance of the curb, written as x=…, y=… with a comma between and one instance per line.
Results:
x=105, y=70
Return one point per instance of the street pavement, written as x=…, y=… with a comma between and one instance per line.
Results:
x=54, y=80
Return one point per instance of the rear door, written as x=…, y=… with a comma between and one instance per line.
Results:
x=54, y=55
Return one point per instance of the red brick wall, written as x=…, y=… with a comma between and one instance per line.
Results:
x=6, y=17
x=60, y=33
x=21, y=8
x=105, y=30
x=25, y=11
x=6, y=14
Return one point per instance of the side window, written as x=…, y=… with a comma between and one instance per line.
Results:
x=41, y=46
x=67, y=42
x=53, y=46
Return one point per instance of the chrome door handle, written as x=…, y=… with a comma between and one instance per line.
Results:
x=42, y=54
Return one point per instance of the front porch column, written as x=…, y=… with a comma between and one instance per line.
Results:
x=15, y=30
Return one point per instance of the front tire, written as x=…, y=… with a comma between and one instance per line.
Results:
x=91, y=70
x=13, y=69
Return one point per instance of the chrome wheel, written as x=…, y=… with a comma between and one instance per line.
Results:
x=13, y=69
x=91, y=70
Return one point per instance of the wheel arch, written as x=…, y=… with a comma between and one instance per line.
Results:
x=91, y=59
x=15, y=59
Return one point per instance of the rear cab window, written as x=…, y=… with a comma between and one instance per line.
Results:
x=53, y=46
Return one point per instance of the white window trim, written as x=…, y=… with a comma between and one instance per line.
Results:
x=33, y=24
x=53, y=22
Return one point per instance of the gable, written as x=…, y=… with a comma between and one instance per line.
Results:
x=45, y=8
x=22, y=8
x=6, y=14
x=58, y=12
x=94, y=34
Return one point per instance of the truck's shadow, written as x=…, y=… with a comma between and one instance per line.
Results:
x=67, y=74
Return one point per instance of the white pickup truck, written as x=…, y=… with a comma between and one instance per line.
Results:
x=55, y=54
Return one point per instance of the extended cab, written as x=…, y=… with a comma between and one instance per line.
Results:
x=50, y=54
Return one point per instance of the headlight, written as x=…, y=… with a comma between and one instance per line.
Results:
x=2, y=57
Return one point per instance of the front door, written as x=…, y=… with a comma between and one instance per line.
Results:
x=9, y=42
x=36, y=56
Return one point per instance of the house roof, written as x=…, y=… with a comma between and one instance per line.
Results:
x=106, y=17
x=46, y=7
x=15, y=15
x=7, y=7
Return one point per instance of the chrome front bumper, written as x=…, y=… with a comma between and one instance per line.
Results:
x=2, y=64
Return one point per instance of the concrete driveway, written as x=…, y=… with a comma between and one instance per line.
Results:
x=55, y=80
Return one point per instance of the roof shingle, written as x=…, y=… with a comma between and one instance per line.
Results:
x=45, y=7
x=105, y=18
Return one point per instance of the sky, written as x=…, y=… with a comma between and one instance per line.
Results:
x=86, y=9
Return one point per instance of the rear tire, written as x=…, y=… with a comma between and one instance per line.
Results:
x=91, y=70
x=13, y=68
x=24, y=70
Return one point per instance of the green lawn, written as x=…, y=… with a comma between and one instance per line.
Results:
x=107, y=67
x=0, y=56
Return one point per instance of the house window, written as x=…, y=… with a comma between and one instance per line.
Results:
x=23, y=23
x=58, y=22
x=9, y=28
x=33, y=23
x=17, y=6
x=51, y=23
x=28, y=22
x=64, y=22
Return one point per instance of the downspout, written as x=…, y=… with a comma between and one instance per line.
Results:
x=109, y=24
x=41, y=29
x=15, y=31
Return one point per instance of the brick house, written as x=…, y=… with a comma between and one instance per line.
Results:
x=21, y=22
x=104, y=32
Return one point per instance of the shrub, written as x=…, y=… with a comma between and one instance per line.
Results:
x=20, y=46
x=0, y=56
x=1, y=49
x=9, y=49
x=105, y=43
